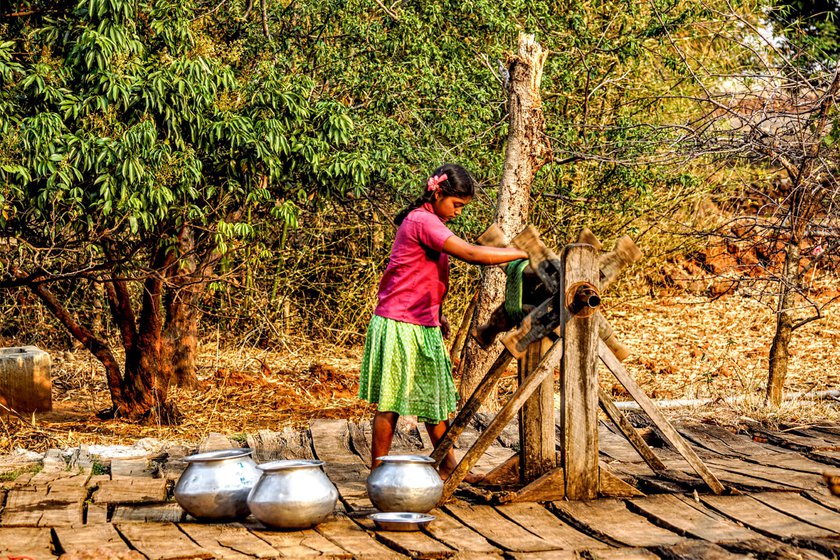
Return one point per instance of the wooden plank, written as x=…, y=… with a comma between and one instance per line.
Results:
x=672, y=436
x=825, y=457
x=31, y=542
x=823, y=497
x=536, y=418
x=299, y=544
x=722, y=441
x=26, y=508
x=168, y=512
x=131, y=491
x=471, y=407
x=762, y=518
x=414, y=544
x=546, y=555
x=23, y=508
x=501, y=419
x=549, y=527
x=458, y=536
x=579, y=379
x=773, y=477
x=795, y=441
x=823, y=439
x=612, y=520
x=96, y=513
x=629, y=432
x=699, y=522
x=801, y=508
x=352, y=538
x=331, y=440
x=100, y=538
x=623, y=554
x=550, y=486
x=229, y=541
x=499, y=530
x=161, y=541
x=691, y=550
x=618, y=448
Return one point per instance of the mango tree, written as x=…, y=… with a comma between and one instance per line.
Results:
x=134, y=157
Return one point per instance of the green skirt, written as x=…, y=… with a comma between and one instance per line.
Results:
x=406, y=370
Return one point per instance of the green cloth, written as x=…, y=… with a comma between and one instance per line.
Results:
x=406, y=369
x=513, y=289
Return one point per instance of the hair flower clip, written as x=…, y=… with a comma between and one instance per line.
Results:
x=434, y=182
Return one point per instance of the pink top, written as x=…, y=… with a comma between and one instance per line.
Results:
x=417, y=277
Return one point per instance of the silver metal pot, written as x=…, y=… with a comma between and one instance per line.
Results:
x=294, y=494
x=215, y=485
x=407, y=483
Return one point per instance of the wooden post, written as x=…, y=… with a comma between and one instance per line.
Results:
x=579, y=381
x=536, y=419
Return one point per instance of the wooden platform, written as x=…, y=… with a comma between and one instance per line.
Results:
x=776, y=507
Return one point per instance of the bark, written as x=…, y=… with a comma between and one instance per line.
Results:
x=180, y=335
x=527, y=150
x=144, y=383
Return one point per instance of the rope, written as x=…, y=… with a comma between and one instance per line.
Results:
x=513, y=289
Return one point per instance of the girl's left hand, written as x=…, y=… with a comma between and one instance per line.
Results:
x=444, y=326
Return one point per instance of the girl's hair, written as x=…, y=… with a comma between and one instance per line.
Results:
x=458, y=182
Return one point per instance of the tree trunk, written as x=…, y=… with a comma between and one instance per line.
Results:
x=779, y=352
x=180, y=335
x=527, y=151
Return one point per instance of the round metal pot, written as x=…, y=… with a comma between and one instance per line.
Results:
x=405, y=483
x=215, y=485
x=294, y=494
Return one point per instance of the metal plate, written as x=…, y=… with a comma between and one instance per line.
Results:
x=401, y=521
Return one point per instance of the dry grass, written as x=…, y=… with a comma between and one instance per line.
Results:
x=683, y=348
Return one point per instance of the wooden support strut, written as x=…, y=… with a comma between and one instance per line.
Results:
x=671, y=435
x=543, y=370
x=465, y=415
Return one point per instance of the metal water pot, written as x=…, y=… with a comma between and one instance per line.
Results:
x=405, y=483
x=292, y=494
x=215, y=485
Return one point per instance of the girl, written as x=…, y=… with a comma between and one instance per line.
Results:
x=406, y=369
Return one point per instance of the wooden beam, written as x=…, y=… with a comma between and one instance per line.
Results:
x=473, y=404
x=506, y=474
x=671, y=435
x=502, y=418
x=610, y=486
x=629, y=432
x=549, y=487
x=579, y=381
x=624, y=253
x=537, y=435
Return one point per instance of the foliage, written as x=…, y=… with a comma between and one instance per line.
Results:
x=120, y=131
x=288, y=143
x=810, y=29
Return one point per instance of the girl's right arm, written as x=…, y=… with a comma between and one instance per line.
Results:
x=479, y=254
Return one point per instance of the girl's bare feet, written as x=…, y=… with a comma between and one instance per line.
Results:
x=471, y=478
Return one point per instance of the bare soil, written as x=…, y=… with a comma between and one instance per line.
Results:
x=683, y=347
